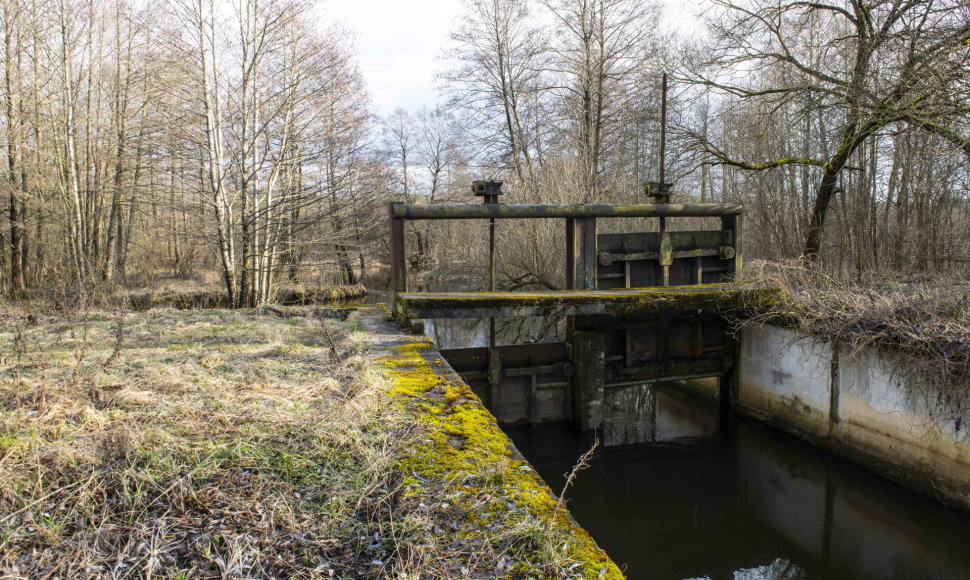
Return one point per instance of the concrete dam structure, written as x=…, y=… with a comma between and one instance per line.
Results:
x=648, y=307
x=863, y=405
x=643, y=312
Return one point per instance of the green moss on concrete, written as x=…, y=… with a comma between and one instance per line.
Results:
x=665, y=300
x=462, y=450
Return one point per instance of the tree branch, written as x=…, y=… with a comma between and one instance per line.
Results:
x=722, y=158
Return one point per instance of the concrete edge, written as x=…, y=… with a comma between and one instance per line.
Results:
x=464, y=447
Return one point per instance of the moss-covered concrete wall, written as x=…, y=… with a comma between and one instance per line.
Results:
x=461, y=451
x=617, y=302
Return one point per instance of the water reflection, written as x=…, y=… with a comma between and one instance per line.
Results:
x=473, y=332
x=457, y=333
x=638, y=415
x=672, y=497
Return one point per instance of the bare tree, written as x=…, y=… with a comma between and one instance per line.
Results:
x=604, y=45
x=17, y=180
x=866, y=65
x=499, y=79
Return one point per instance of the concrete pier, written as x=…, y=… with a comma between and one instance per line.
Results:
x=588, y=356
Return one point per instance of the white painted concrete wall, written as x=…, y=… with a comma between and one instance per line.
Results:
x=889, y=420
x=786, y=376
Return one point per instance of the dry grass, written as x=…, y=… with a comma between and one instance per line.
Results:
x=209, y=444
x=226, y=444
x=188, y=296
x=927, y=317
x=167, y=292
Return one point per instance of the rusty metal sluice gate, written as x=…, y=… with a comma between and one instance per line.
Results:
x=640, y=307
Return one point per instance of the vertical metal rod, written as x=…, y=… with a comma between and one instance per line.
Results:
x=663, y=162
x=663, y=127
x=663, y=141
x=570, y=274
x=491, y=277
x=491, y=255
x=490, y=190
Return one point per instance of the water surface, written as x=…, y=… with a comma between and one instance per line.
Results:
x=671, y=497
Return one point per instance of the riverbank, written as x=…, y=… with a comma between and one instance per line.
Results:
x=260, y=443
x=876, y=371
x=927, y=320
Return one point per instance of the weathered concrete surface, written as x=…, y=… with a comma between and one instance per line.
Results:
x=462, y=448
x=897, y=418
x=785, y=379
x=618, y=302
x=588, y=358
x=860, y=405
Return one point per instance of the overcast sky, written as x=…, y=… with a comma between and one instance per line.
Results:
x=400, y=42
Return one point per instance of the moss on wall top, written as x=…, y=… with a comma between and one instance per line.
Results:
x=496, y=498
x=664, y=300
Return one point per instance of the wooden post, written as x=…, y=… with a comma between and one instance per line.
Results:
x=399, y=268
x=570, y=254
x=581, y=259
x=729, y=385
x=589, y=360
x=494, y=378
x=582, y=246
x=570, y=271
x=666, y=256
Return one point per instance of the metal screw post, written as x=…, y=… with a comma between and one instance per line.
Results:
x=489, y=192
x=660, y=190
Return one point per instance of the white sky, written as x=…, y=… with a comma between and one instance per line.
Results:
x=400, y=42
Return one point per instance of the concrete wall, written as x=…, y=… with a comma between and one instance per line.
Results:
x=841, y=520
x=786, y=379
x=860, y=405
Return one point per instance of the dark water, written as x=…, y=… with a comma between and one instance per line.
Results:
x=673, y=498
x=671, y=495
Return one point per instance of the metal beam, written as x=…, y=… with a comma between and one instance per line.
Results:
x=532, y=211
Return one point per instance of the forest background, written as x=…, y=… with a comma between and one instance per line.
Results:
x=232, y=145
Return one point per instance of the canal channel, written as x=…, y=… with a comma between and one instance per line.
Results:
x=673, y=494
x=670, y=494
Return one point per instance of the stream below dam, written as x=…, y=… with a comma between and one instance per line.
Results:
x=670, y=495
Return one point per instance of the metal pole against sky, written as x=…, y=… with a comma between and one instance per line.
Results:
x=663, y=127
x=663, y=142
x=489, y=191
